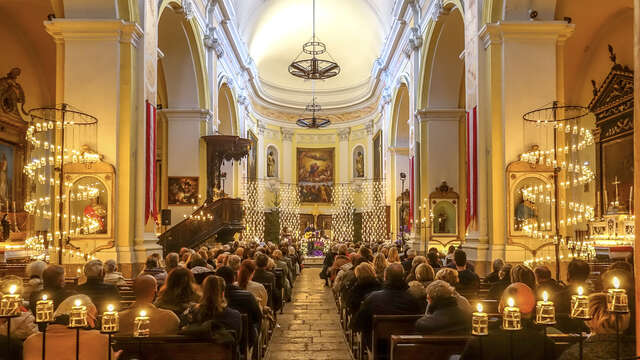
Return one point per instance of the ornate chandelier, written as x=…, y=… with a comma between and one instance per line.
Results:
x=313, y=122
x=314, y=68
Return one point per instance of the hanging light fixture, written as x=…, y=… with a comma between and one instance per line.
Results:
x=313, y=122
x=314, y=68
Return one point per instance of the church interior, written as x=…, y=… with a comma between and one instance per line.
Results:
x=144, y=137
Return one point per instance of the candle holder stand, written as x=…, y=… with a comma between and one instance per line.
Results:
x=109, y=335
x=9, y=317
x=44, y=324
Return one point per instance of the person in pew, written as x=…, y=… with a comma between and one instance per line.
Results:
x=521, y=273
x=171, y=261
x=101, y=294
x=245, y=282
x=393, y=299
x=443, y=316
x=164, y=322
x=418, y=288
x=61, y=340
x=407, y=263
x=497, y=288
x=346, y=275
x=577, y=276
x=366, y=283
x=213, y=307
x=266, y=277
x=152, y=267
x=468, y=280
x=380, y=264
x=526, y=344
x=24, y=324
x=288, y=279
x=34, y=274
x=243, y=301
x=111, y=275
x=451, y=277
x=178, y=293
x=495, y=274
x=434, y=260
x=544, y=282
x=53, y=286
x=601, y=344
x=411, y=274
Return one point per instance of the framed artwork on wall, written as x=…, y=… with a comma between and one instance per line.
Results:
x=183, y=190
x=315, y=174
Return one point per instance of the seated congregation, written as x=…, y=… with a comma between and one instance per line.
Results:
x=417, y=307
x=221, y=303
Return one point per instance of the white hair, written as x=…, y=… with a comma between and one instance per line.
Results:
x=93, y=269
x=36, y=268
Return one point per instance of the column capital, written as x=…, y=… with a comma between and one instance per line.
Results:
x=94, y=29
x=178, y=114
x=343, y=134
x=496, y=33
x=439, y=114
x=212, y=42
x=287, y=135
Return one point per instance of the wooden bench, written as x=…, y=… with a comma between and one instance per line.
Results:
x=383, y=326
x=437, y=346
x=279, y=273
x=174, y=347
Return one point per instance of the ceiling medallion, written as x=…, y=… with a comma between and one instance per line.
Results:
x=313, y=122
x=314, y=68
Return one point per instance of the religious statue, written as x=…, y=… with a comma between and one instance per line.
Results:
x=525, y=210
x=6, y=227
x=359, y=164
x=11, y=93
x=4, y=179
x=442, y=223
x=271, y=164
x=96, y=213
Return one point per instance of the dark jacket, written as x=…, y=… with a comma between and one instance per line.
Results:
x=406, y=264
x=229, y=318
x=101, y=294
x=497, y=288
x=526, y=344
x=552, y=287
x=445, y=317
x=492, y=277
x=265, y=277
x=469, y=281
x=245, y=303
x=562, y=300
x=601, y=347
x=58, y=295
x=359, y=292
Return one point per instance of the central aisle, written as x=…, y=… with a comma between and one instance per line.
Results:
x=310, y=326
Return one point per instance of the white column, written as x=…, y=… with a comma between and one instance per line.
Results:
x=262, y=155
x=288, y=160
x=344, y=170
x=183, y=127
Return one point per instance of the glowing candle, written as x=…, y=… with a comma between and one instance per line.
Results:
x=545, y=311
x=580, y=305
x=617, y=300
x=141, y=325
x=78, y=316
x=480, y=322
x=44, y=310
x=511, y=316
x=10, y=303
x=110, y=320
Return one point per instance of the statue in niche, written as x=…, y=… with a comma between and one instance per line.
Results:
x=97, y=213
x=271, y=164
x=526, y=211
x=441, y=222
x=11, y=93
x=6, y=227
x=359, y=164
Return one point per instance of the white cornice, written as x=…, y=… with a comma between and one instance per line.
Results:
x=440, y=114
x=94, y=29
x=554, y=30
x=185, y=114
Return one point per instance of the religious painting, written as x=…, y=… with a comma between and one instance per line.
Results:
x=252, y=158
x=617, y=171
x=7, y=163
x=183, y=190
x=89, y=212
x=272, y=162
x=377, y=156
x=444, y=218
x=315, y=171
x=358, y=162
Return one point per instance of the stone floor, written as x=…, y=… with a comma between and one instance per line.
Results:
x=310, y=326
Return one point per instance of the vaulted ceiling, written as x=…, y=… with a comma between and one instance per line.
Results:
x=353, y=30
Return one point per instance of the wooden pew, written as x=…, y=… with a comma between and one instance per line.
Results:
x=280, y=286
x=383, y=326
x=174, y=347
x=438, y=347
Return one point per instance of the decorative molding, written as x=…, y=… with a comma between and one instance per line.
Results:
x=211, y=41
x=343, y=134
x=440, y=114
x=554, y=30
x=435, y=10
x=287, y=135
x=95, y=29
x=369, y=129
x=177, y=114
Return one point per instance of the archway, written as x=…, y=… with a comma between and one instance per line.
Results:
x=228, y=125
x=181, y=97
x=399, y=159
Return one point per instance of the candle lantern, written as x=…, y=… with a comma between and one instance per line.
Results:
x=617, y=300
x=110, y=321
x=545, y=311
x=480, y=322
x=511, y=318
x=44, y=310
x=10, y=303
x=580, y=305
x=141, y=325
x=78, y=316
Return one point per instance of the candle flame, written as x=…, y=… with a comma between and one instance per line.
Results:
x=109, y=307
x=78, y=302
x=12, y=289
x=580, y=290
x=545, y=296
x=510, y=302
x=616, y=282
x=44, y=297
x=143, y=313
x=479, y=307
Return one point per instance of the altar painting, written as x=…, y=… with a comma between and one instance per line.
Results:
x=315, y=171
